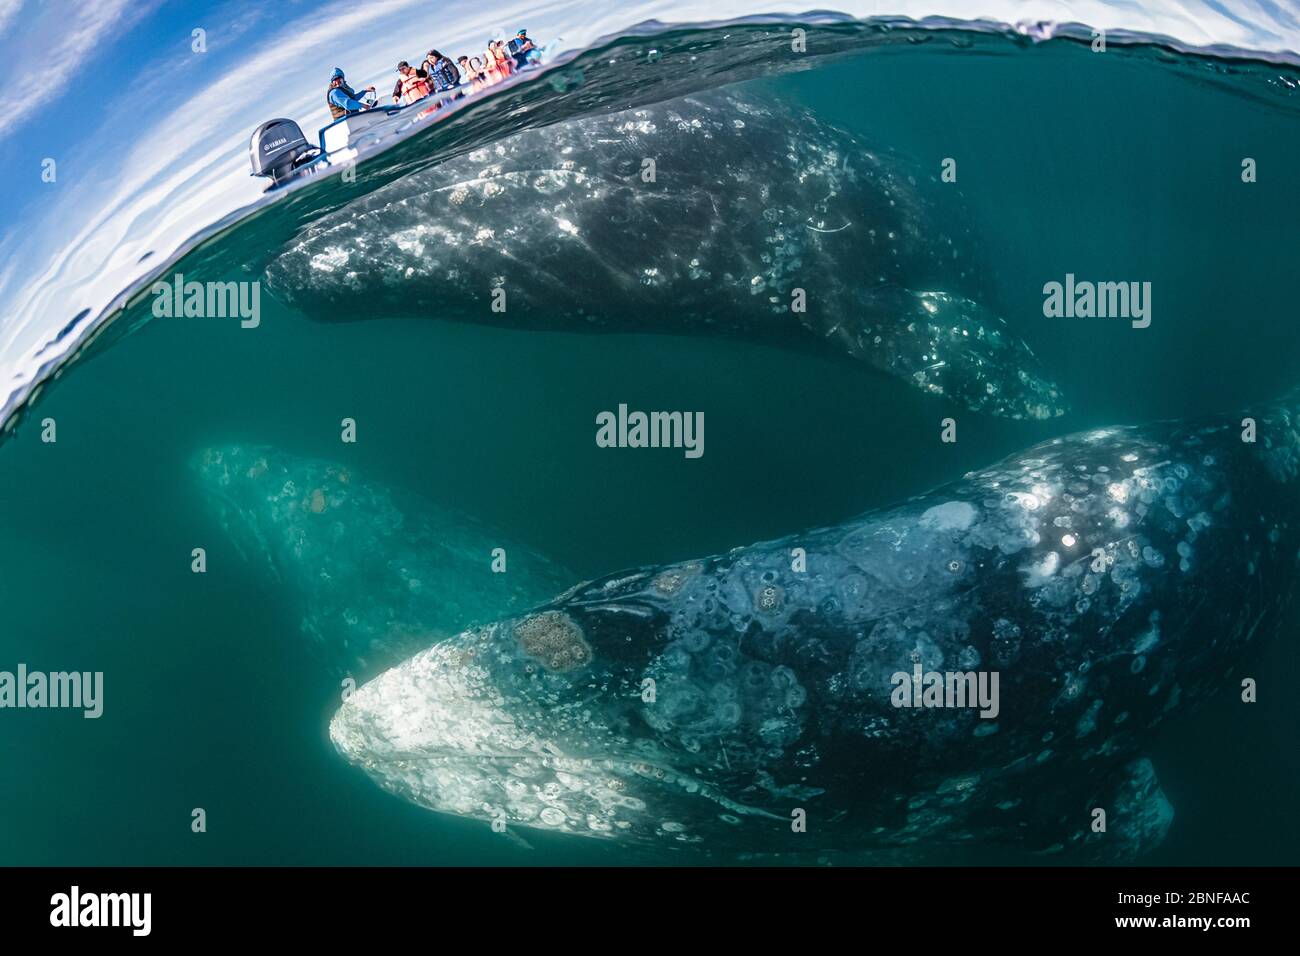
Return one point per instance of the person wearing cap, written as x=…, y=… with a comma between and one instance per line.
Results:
x=341, y=98
x=520, y=46
x=411, y=85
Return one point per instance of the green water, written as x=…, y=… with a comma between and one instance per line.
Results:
x=1110, y=168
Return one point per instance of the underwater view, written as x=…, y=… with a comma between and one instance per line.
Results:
x=357, y=504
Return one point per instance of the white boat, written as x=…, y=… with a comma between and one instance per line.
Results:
x=279, y=151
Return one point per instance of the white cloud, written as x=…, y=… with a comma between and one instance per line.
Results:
x=55, y=48
x=8, y=11
x=190, y=165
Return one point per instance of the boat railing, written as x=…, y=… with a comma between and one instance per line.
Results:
x=435, y=100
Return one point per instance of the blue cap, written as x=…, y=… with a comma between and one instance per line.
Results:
x=337, y=74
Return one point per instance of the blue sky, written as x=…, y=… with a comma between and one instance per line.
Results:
x=150, y=137
x=136, y=48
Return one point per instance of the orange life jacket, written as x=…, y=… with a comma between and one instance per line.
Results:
x=413, y=88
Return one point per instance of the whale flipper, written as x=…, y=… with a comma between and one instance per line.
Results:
x=947, y=345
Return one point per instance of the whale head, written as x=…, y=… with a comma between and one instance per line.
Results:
x=240, y=484
x=531, y=722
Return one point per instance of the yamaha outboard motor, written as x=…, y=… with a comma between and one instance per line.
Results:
x=278, y=149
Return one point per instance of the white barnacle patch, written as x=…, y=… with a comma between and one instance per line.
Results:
x=331, y=259
x=1118, y=491
x=1039, y=572
x=410, y=241
x=565, y=226
x=950, y=516
x=553, y=816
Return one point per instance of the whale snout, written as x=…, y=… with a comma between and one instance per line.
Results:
x=425, y=724
x=516, y=724
x=446, y=730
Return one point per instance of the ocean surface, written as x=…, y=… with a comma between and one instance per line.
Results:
x=1123, y=165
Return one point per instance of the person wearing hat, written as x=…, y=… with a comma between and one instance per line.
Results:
x=341, y=98
x=411, y=84
x=520, y=46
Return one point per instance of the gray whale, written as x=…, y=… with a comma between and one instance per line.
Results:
x=749, y=203
x=377, y=573
x=1111, y=579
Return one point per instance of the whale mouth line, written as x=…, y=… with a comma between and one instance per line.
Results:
x=655, y=776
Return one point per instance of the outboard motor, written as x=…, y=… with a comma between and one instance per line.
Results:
x=278, y=150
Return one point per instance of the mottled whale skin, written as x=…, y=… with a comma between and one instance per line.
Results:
x=1112, y=578
x=749, y=202
x=377, y=573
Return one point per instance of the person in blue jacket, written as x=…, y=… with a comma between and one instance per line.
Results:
x=520, y=47
x=342, y=99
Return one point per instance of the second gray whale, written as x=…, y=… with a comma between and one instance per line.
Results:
x=1109, y=580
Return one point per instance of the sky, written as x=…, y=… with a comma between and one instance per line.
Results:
x=159, y=149
x=150, y=135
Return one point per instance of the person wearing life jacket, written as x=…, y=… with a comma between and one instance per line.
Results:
x=341, y=98
x=488, y=70
x=504, y=63
x=519, y=47
x=467, y=75
x=412, y=86
x=441, y=71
